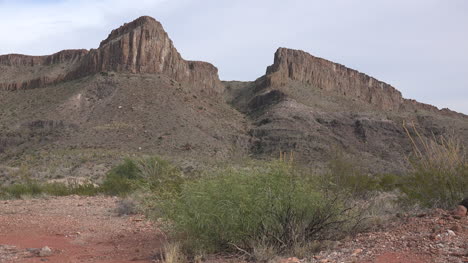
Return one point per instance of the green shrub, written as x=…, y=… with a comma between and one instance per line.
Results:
x=345, y=176
x=152, y=173
x=30, y=188
x=238, y=209
x=439, y=177
x=120, y=179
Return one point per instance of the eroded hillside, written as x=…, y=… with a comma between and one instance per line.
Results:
x=77, y=112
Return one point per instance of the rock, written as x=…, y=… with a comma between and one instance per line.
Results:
x=45, y=252
x=456, y=228
x=464, y=203
x=356, y=252
x=460, y=211
x=290, y=260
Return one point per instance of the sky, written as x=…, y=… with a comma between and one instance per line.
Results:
x=418, y=46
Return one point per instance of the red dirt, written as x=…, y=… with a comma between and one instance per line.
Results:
x=77, y=229
x=87, y=229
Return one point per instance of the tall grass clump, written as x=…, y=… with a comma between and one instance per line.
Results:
x=439, y=176
x=151, y=173
x=243, y=209
x=345, y=175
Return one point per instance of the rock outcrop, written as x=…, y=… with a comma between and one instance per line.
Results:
x=64, y=56
x=300, y=66
x=297, y=65
x=28, y=72
x=141, y=46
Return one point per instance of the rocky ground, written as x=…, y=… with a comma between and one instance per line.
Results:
x=89, y=229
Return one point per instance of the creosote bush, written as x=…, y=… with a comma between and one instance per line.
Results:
x=237, y=210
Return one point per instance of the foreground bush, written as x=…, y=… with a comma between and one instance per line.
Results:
x=243, y=209
x=440, y=172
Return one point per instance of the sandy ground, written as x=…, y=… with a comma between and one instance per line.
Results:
x=88, y=229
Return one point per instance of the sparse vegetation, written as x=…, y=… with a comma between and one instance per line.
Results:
x=440, y=171
x=345, y=175
x=34, y=188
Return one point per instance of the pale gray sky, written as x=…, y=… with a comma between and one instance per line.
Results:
x=418, y=46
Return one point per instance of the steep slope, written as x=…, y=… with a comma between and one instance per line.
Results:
x=315, y=108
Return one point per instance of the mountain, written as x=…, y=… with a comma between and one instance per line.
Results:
x=77, y=112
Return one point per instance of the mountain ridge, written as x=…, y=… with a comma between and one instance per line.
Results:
x=135, y=94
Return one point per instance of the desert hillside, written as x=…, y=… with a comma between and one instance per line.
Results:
x=136, y=95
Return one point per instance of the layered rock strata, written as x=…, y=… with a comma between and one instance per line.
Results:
x=141, y=46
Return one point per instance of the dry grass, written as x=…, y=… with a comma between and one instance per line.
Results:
x=440, y=170
x=173, y=253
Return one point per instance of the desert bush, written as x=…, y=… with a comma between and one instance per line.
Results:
x=126, y=206
x=151, y=173
x=439, y=176
x=345, y=176
x=29, y=188
x=120, y=179
x=34, y=188
x=272, y=206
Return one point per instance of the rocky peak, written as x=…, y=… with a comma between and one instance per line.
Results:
x=297, y=65
x=143, y=21
x=142, y=46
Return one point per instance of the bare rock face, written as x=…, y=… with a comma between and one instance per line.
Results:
x=143, y=46
x=300, y=66
x=27, y=72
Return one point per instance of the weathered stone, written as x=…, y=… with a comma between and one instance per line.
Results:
x=45, y=251
x=460, y=211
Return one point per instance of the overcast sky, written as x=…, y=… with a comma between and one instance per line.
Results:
x=418, y=46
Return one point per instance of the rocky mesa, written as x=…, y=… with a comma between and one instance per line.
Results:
x=141, y=46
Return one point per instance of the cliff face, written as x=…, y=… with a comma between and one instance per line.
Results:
x=65, y=56
x=141, y=46
x=323, y=74
x=27, y=72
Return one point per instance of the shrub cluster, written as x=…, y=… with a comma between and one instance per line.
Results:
x=439, y=177
x=272, y=206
